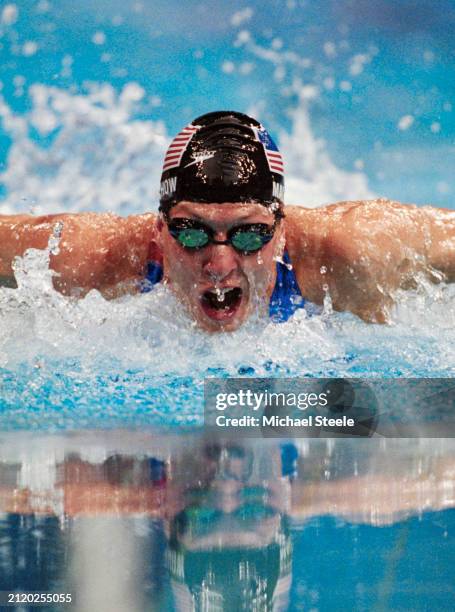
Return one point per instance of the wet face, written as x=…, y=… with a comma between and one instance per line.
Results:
x=219, y=285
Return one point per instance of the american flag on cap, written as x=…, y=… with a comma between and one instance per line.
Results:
x=177, y=147
x=272, y=154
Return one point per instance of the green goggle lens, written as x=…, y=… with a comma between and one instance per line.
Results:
x=247, y=241
x=193, y=238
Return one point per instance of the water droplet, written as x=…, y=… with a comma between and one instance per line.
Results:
x=281, y=261
x=296, y=299
x=54, y=240
x=327, y=302
x=323, y=270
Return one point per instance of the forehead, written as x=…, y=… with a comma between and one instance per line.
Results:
x=227, y=212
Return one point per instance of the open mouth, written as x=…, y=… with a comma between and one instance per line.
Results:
x=221, y=303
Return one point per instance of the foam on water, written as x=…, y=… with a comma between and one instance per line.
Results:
x=138, y=331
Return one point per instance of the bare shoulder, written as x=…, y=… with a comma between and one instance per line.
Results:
x=361, y=251
x=102, y=250
x=112, y=232
x=98, y=250
x=348, y=213
x=360, y=224
x=336, y=227
x=103, y=225
x=102, y=236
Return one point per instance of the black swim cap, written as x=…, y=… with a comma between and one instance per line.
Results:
x=223, y=157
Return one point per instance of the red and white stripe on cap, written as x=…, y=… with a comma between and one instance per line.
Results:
x=178, y=146
x=275, y=161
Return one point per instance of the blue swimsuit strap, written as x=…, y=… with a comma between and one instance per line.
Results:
x=153, y=276
x=286, y=297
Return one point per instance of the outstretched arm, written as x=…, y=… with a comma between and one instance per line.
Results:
x=380, y=499
x=97, y=251
x=362, y=252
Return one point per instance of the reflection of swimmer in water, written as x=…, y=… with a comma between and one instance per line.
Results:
x=229, y=546
x=219, y=259
x=126, y=485
x=221, y=513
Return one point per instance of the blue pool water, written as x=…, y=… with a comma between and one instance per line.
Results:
x=366, y=568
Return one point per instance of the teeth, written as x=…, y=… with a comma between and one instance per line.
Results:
x=220, y=293
x=216, y=297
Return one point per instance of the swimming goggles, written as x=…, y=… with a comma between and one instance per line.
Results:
x=247, y=238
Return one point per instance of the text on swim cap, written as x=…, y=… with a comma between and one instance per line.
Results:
x=168, y=186
x=278, y=190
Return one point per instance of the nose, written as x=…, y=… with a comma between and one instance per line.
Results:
x=220, y=263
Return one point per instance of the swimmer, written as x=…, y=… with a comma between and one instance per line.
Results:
x=224, y=241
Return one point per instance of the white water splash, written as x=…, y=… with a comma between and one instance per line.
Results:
x=153, y=332
x=312, y=179
x=87, y=152
x=150, y=331
x=75, y=152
